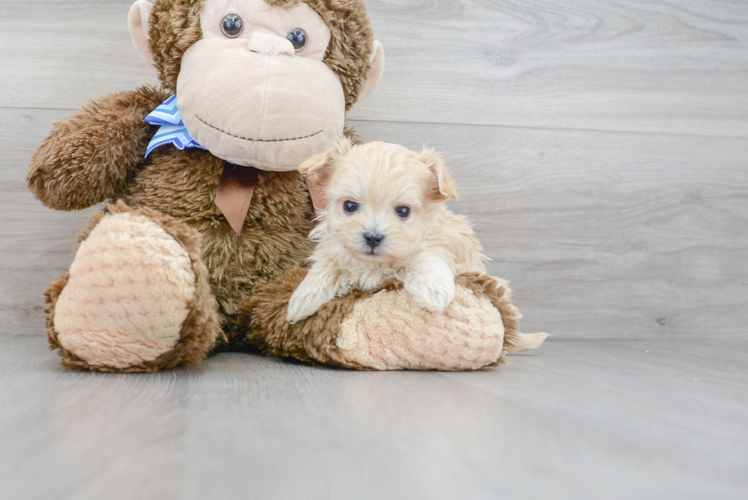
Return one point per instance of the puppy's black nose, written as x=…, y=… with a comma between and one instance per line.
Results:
x=373, y=239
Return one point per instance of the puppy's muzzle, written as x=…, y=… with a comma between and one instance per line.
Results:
x=373, y=240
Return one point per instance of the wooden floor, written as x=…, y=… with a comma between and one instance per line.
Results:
x=601, y=149
x=577, y=420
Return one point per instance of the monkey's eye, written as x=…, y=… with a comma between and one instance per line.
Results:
x=403, y=212
x=298, y=38
x=232, y=25
x=350, y=207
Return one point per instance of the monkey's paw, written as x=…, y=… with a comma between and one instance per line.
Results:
x=133, y=300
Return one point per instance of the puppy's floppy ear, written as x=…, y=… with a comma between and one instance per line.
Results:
x=444, y=186
x=318, y=169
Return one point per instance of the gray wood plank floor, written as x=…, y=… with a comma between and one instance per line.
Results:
x=576, y=420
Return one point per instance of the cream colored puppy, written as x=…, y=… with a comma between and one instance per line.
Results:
x=386, y=219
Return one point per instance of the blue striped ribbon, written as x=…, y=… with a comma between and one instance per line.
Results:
x=172, y=130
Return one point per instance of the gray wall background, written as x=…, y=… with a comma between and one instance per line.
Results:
x=600, y=147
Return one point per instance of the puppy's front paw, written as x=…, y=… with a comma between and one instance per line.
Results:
x=308, y=298
x=433, y=293
x=299, y=307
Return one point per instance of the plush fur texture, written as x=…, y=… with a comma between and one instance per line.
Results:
x=198, y=323
x=175, y=26
x=275, y=232
x=425, y=249
x=90, y=156
x=179, y=184
x=461, y=341
x=128, y=268
x=98, y=155
x=442, y=342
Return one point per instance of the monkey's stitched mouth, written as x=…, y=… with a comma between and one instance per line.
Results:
x=258, y=140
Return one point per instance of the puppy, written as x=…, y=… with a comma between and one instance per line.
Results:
x=386, y=218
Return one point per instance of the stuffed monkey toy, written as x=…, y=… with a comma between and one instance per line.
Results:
x=204, y=238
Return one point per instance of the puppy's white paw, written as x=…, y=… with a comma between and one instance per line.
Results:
x=430, y=282
x=308, y=298
x=433, y=293
x=299, y=307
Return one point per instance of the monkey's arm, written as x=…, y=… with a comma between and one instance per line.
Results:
x=88, y=156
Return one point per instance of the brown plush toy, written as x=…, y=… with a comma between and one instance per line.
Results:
x=205, y=238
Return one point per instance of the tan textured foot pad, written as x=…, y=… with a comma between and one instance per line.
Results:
x=128, y=294
x=388, y=332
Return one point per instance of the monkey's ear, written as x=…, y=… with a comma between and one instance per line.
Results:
x=137, y=22
x=376, y=72
x=444, y=186
x=318, y=169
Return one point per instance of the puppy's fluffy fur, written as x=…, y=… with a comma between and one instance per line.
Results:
x=386, y=218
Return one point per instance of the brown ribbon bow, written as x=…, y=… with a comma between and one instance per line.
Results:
x=237, y=187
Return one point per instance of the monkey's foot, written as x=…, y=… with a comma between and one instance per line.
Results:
x=385, y=330
x=136, y=297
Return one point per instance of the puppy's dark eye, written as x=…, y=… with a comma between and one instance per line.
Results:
x=350, y=207
x=298, y=39
x=403, y=212
x=232, y=25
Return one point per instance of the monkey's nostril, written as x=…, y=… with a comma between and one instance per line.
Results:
x=373, y=239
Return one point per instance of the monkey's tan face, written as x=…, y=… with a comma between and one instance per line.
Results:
x=257, y=93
